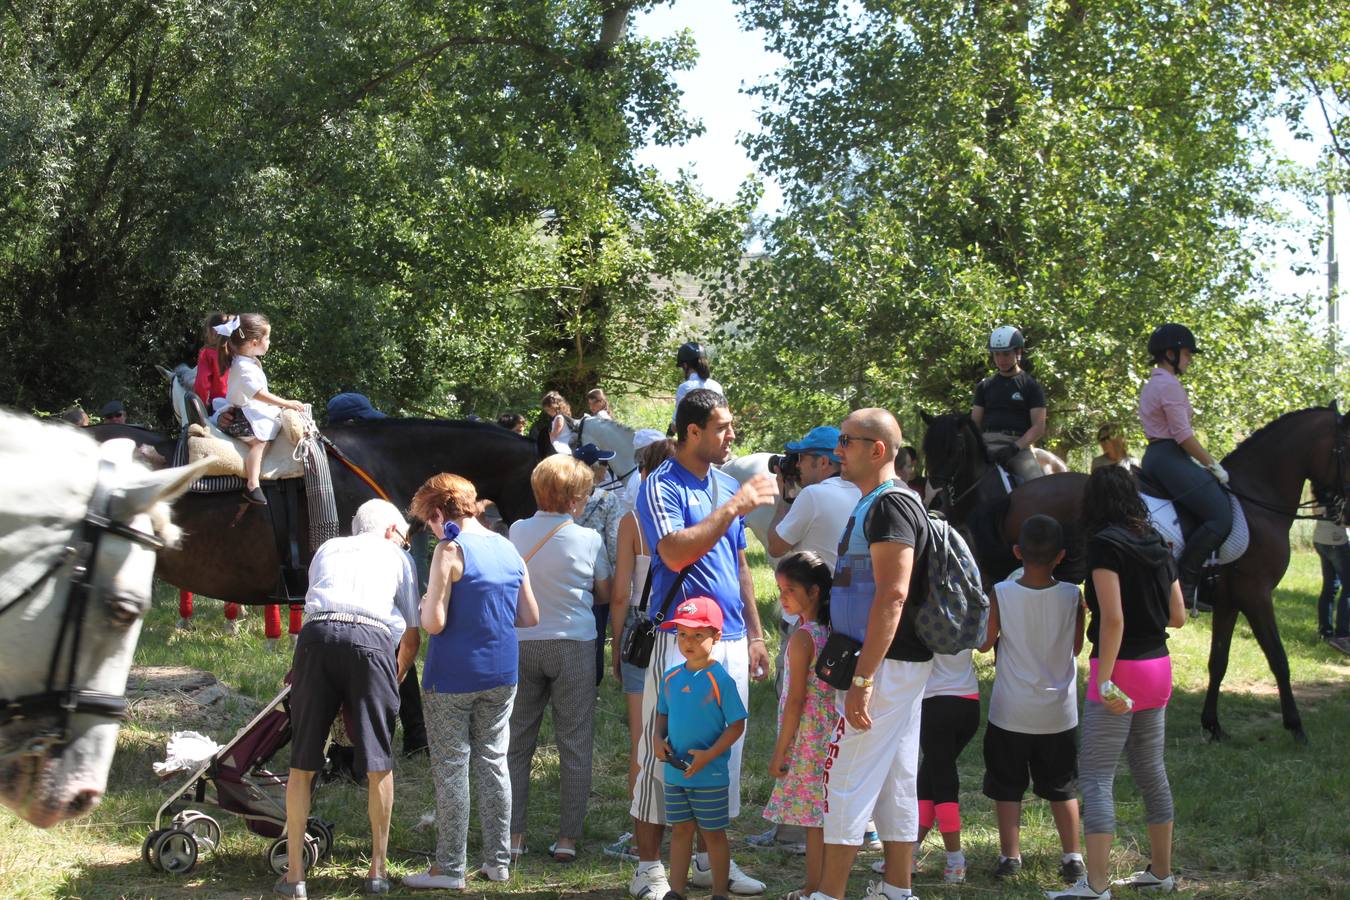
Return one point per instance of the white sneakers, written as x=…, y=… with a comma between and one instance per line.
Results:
x=1147, y=881
x=1080, y=889
x=875, y=891
x=425, y=881
x=494, y=873
x=741, y=883
x=649, y=885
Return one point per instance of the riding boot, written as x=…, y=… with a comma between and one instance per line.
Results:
x=1201, y=544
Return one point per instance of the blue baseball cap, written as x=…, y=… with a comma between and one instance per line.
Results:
x=822, y=440
x=351, y=407
x=591, y=454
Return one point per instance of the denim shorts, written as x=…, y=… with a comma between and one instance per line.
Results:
x=632, y=675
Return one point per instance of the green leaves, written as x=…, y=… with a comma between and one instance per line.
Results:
x=435, y=203
x=1083, y=172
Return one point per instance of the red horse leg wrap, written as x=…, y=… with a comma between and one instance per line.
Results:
x=272, y=621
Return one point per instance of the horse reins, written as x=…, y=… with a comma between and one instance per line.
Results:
x=67, y=701
x=615, y=479
x=351, y=464
x=1339, y=494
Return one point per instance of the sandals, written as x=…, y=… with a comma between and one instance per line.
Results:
x=562, y=854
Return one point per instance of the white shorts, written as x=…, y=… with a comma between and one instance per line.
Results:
x=874, y=773
x=649, y=791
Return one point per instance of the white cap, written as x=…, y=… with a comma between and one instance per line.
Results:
x=645, y=437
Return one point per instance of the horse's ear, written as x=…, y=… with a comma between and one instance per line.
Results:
x=927, y=417
x=146, y=489
x=1335, y=407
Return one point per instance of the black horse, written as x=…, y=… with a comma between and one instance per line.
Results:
x=229, y=548
x=1267, y=473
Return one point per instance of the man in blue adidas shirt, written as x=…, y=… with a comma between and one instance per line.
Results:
x=690, y=514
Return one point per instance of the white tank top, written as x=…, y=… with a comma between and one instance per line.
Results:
x=1035, y=673
x=952, y=676
x=642, y=562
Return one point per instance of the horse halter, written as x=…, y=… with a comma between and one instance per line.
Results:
x=68, y=700
x=615, y=479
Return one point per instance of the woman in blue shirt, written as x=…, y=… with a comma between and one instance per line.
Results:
x=478, y=594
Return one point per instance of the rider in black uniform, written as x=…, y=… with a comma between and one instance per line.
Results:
x=1010, y=407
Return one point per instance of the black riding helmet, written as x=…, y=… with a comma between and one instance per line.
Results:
x=1171, y=337
x=689, y=354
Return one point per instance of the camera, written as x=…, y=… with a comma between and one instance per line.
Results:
x=787, y=464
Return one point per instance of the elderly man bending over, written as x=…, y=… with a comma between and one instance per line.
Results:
x=359, y=639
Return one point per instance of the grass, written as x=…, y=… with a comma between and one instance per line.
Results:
x=1258, y=816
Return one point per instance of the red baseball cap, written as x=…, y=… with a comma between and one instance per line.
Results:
x=697, y=612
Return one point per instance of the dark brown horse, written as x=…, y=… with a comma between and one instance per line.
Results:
x=1268, y=472
x=229, y=550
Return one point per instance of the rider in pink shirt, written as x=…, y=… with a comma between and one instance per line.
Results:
x=1173, y=451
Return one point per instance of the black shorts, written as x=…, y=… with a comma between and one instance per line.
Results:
x=1012, y=760
x=344, y=664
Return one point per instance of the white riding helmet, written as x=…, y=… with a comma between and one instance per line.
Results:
x=1005, y=337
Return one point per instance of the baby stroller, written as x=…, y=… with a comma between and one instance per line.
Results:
x=234, y=780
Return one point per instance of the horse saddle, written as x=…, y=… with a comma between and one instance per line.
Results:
x=226, y=454
x=1175, y=523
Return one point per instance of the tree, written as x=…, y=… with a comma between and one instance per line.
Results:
x=1084, y=171
x=426, y=198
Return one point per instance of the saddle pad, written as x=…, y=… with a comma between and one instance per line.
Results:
x=1163, y=515
x=227, y=454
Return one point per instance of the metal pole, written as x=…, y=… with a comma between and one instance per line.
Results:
x=1333, y=279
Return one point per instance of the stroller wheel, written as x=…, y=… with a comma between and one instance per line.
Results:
x=176, y=851
x=276, y=854
x=201, y=826
x=148, y=849
x=322, y=832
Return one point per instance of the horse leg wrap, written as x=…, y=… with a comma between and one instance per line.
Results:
x=272, y=621
x=297, y=618
x=185, y=604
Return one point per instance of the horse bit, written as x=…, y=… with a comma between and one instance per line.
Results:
x=67, y=701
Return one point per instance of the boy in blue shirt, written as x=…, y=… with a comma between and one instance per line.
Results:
x=699, y=715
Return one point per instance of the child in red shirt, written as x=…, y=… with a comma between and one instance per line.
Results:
x=213, y=376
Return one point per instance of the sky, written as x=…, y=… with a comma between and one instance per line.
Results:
x=731, y=59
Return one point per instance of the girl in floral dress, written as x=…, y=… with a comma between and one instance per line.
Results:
x=806, y=712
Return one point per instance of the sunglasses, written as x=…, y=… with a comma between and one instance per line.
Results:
x=846, y=439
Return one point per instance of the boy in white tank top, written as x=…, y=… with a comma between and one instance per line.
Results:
x=1036, y=623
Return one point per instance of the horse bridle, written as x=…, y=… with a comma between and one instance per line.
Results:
x=946, y=482
x=615, y=479
x=67, y=700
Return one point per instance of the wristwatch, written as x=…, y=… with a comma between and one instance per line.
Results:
x=860, y=681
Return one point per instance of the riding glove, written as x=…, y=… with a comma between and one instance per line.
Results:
x=1218, y=472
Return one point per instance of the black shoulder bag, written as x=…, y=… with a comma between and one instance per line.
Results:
x=641, y=638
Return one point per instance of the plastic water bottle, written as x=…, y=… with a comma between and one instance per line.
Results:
x=1110, y=691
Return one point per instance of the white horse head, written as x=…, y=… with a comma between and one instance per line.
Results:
x=54, y=764
x=743, y=468
x=181, y=381
x=608, y=434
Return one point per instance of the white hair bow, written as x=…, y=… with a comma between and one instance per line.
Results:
x=226, y=328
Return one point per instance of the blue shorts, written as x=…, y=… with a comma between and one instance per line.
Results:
x=633, y=676
x=708, y=806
